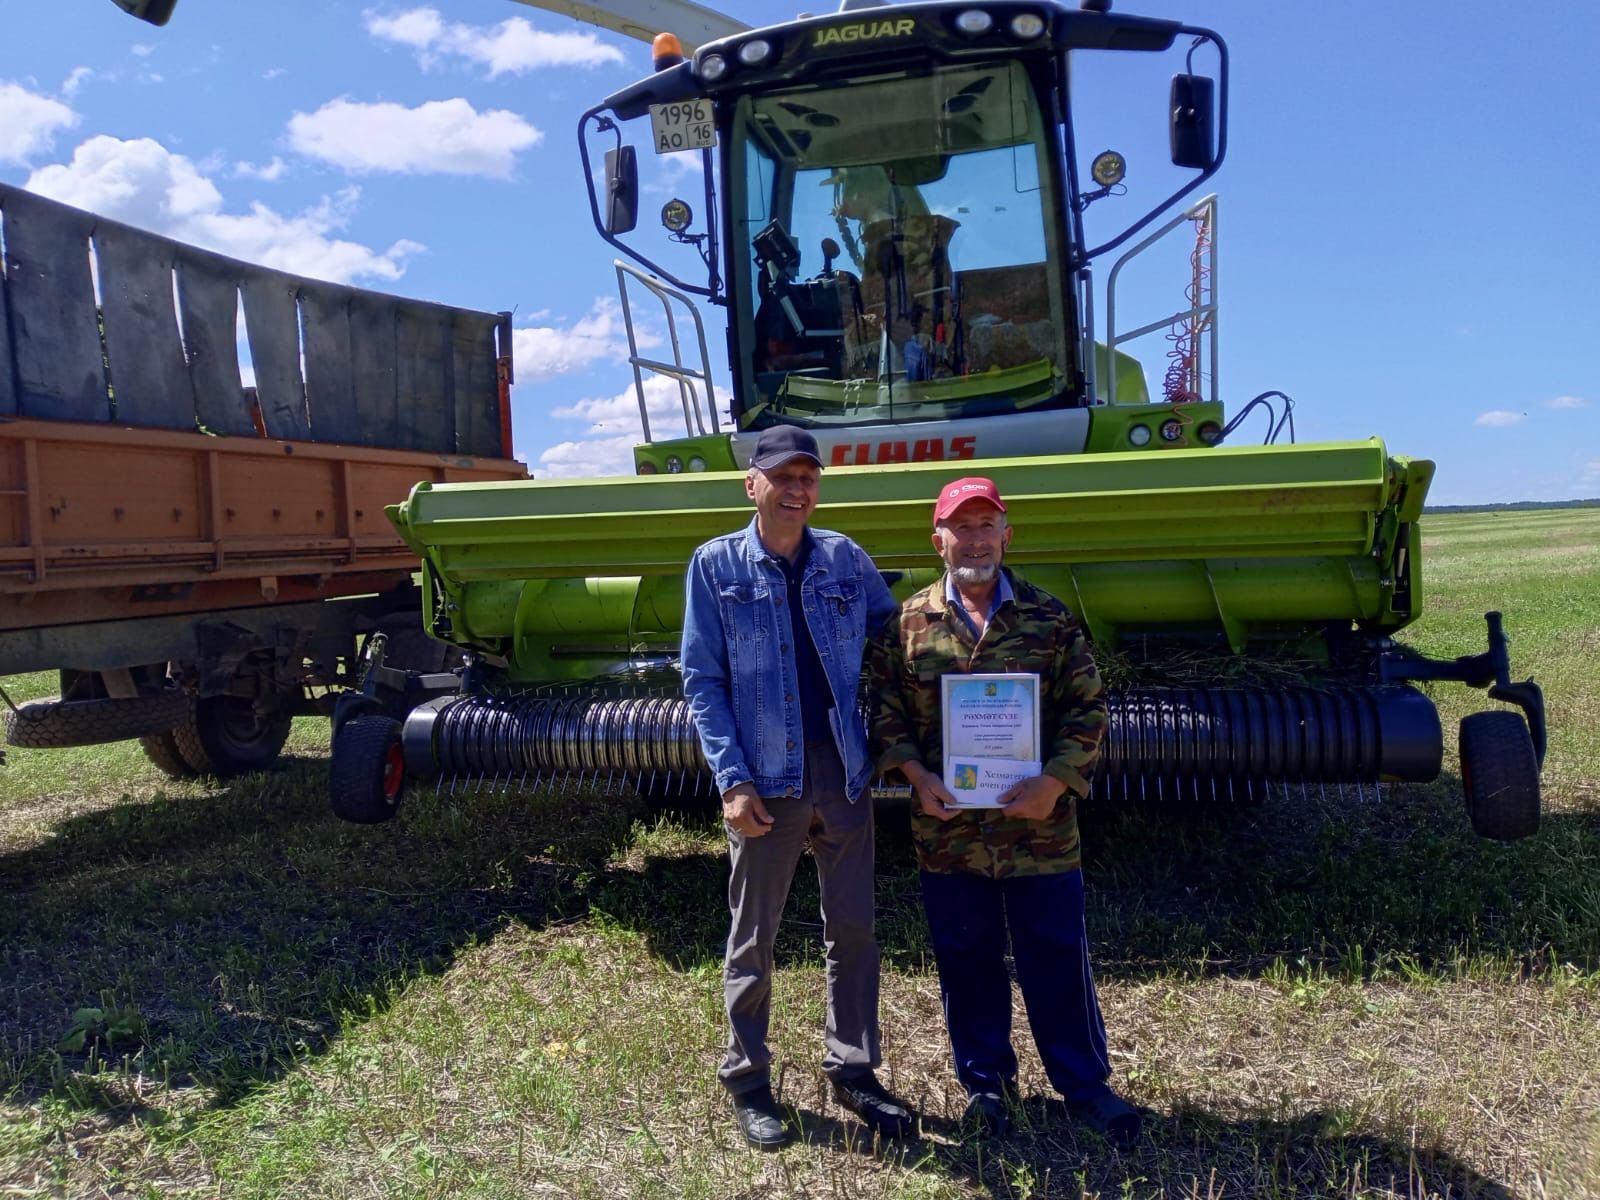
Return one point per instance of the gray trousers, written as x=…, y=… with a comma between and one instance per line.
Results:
x=761, y=870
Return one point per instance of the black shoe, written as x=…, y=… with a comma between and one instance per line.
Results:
x=986, y=1113
x=878, y=1110
x=760, y=1119
x=1108, y=1114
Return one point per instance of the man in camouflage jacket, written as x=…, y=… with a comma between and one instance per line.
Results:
x=1016, y=867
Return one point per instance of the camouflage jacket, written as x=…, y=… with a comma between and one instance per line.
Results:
x=1033, y=633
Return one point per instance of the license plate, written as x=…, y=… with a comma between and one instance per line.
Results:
x=682, y=125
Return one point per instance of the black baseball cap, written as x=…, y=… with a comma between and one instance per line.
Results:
x=778, y=444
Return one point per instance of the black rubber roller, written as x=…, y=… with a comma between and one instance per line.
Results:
x=1288, y=735
x=1165, y=735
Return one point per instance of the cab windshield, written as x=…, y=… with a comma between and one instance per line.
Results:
x=899, y=263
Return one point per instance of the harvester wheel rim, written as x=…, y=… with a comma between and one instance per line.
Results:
x=394, y=772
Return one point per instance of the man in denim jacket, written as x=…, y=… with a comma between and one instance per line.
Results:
x=776, y=620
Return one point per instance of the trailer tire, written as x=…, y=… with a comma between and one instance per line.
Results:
x=1500, y=775
x=225, y=736
x=162, y=750
x=368, y=770
x=52, y=724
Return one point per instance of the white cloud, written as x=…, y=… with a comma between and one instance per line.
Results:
x=513, y=45
x=1499, y=416
x=620, y=413
x=418, y=28
x=544, y=350
x=143, y=183
x=1567, y=402
x=75, y=79
x=439, y=137
x=593, y=456
x=614, y=429
x=269, y=173
x=142, y=50
x=29, y=121
x=273, y=72
x=672, y=174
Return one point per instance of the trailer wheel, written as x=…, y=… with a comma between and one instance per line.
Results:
x=368, y=771
x=162, y=750
x=51, y=724
x=1500, y=775
x=227, y=736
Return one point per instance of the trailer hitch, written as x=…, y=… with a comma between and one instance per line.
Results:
x=1491, y=669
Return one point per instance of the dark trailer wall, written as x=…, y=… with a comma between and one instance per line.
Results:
x=164, y=526
x=332, y=364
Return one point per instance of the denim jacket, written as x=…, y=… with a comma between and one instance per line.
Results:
x=739, y=670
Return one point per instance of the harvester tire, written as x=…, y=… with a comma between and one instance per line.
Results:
x=52, y=724
x=1500, y=775
x=162, y=750
x=368, y=770
x=227, y=737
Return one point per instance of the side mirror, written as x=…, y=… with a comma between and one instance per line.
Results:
x=1192, y=131
x=157, y=12
x=622, y=190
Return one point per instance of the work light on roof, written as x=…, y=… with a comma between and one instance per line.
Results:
x=974, y=21
x=676, y=215
x=1108, y=168
x=755, y=52
x=713, y=67
x=1027, y=26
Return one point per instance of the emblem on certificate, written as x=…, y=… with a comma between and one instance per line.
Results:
x=991, y=735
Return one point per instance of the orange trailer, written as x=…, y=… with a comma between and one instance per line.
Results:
x=200, y=558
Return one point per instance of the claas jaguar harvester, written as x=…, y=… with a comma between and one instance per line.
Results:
x=892, y=221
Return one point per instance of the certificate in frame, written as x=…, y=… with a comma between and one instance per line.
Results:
x=991, y=735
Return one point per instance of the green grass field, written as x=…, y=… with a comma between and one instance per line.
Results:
x=512, y=995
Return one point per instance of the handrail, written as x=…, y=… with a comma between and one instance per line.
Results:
x=1204, y=314
x=693, y=419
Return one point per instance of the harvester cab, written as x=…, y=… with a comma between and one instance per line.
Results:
x=893, y=220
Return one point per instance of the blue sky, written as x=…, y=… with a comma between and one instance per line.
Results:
x=1409, y=230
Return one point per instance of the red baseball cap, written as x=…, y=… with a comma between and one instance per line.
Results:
x=953, y=495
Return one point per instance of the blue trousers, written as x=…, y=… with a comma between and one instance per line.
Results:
x=968, y=917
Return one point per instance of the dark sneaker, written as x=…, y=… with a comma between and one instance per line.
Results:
x=760, y=1119
x=986, y=1113
x=1112, y=1117
x=878, y=1110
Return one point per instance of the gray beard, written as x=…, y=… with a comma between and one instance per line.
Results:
x=975, y=574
